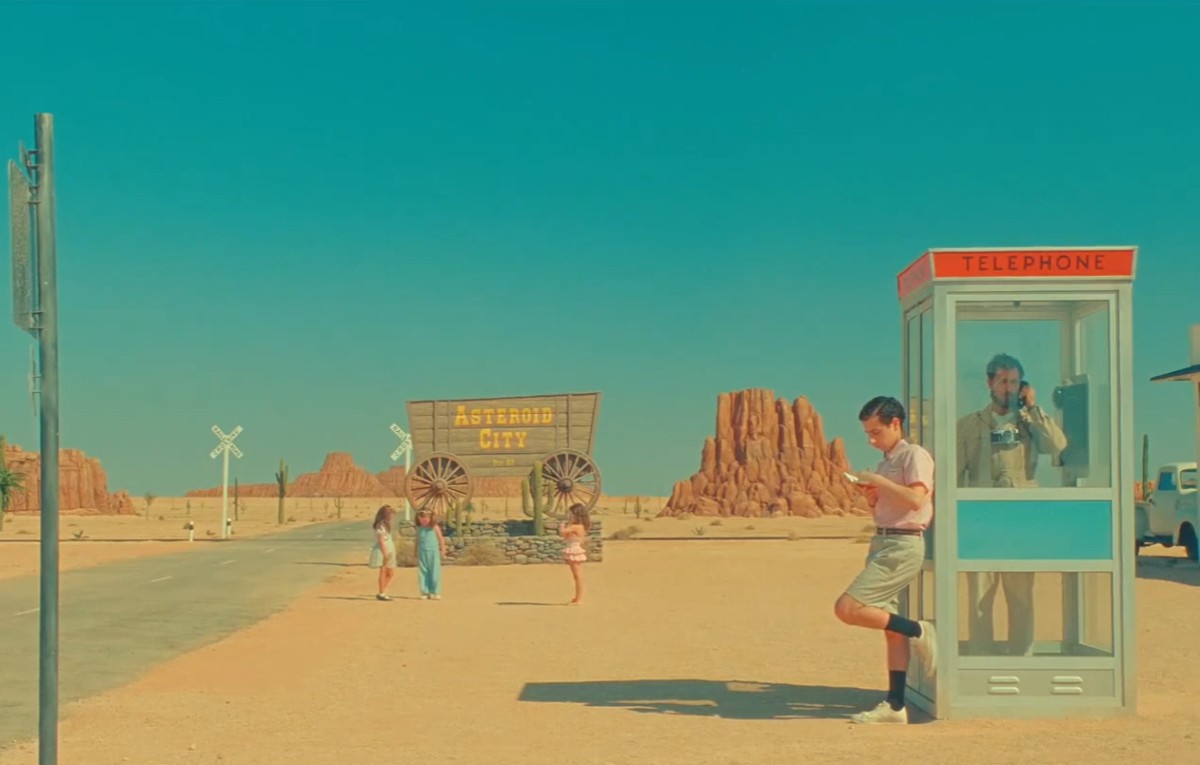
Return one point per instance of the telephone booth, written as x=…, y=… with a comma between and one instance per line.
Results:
x=1017, y=377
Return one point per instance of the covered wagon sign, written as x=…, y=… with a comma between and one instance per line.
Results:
x=456, y=440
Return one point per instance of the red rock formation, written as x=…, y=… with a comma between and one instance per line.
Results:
x=768, y=457
x=82, y=483
x=393, y=479
x=338, y=477
x=1139, y=490
x=243, y=489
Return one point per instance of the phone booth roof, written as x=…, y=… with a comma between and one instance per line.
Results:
x=1008, y=265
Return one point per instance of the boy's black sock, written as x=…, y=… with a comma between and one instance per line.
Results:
x=895, y=695
x=906, y=627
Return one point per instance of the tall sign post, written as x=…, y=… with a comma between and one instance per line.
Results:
x=405, y=448
x=35, y=310
x=224, y=448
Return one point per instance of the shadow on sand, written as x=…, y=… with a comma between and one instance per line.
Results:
x=531, y=603
x=734, y=699
x=1168, y=569
x=370, y=597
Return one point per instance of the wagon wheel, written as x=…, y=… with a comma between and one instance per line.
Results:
x=571, y=476
x=437, y=482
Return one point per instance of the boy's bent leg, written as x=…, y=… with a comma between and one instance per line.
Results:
x=872, y=600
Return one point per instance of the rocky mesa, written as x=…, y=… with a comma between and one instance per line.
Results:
x=768, y=457
x=339, y=476
x=82, y=484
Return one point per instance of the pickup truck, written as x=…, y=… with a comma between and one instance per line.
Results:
x=1169, y=516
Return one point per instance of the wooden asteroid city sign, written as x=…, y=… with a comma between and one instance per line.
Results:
x=455, y=441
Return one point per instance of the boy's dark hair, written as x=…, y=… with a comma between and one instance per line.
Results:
x=1004, y=361
x=885, y=408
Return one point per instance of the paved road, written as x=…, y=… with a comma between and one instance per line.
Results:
x=119, y=619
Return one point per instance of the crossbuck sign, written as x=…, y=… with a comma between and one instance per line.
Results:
x=225, y=447
x=405, y=449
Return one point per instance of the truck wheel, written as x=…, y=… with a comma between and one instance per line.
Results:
x=1187, y=538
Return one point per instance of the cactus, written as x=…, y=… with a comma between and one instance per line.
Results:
x=537, y=500
x=1146, y=467
x=454, y=515
x=236, y=513
x=281, y=477
x=337, y=505
x=10, y=481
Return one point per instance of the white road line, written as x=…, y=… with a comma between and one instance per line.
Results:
x=161, y=579
x=226, y=562
x=271, y=550
x=30, y=611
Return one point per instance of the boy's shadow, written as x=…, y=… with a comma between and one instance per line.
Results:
x=734, y=699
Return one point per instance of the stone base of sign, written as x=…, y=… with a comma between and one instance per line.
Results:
x=515, y=541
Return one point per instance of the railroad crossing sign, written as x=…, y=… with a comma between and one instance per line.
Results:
x=226, y=442
x=405, y=449
x=225, y=447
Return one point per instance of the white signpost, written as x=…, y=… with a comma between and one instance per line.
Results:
x=405, y=448
x=225, y=447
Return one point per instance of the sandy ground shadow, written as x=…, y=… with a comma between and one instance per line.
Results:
x=1178, y=570
x=734, y=699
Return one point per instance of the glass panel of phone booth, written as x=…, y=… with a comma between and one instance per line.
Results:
x=1033, y=394
x=1035, y=412
x=917, y=602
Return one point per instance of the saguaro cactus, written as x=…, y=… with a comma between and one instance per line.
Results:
x=536, y=499
x=236, y=513
x=1146, y=491
x=281, y=477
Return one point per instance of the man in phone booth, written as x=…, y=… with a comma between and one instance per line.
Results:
x=999, y=447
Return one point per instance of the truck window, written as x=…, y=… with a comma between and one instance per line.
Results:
x=1187, y=479
x=1166, y=481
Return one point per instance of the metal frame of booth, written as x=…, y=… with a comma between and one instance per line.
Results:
x=1079, y=536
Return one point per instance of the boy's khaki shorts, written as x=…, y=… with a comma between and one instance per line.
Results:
x=893, y=562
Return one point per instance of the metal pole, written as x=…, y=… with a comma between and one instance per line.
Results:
x=407, y=460
x=225, y=494
x=48, y=343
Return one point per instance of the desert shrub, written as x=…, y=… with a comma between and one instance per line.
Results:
x=481, y=554
x=626, y=533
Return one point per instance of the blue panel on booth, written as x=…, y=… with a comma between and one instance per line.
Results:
x=1035, y=530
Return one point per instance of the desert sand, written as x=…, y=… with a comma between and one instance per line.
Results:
x=689, y=651
x=88, y=539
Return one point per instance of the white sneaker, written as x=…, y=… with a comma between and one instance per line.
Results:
x=881, y=714
x=925, y=648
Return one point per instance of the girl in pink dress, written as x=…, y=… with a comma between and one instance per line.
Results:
x=574, y=532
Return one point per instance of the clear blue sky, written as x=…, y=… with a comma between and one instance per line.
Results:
x=295, y=217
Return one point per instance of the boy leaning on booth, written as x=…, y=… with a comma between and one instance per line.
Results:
x=900, y=493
